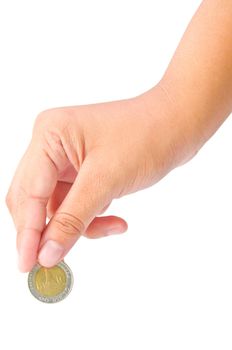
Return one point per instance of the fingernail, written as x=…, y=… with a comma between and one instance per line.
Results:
x=115, y=230
x=50, y=254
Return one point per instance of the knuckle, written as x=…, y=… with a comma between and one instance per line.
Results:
x=53, y=121
x=8, y=200
x=45, y=118
x=41, y=118
x=59, y=114
x=68, y=224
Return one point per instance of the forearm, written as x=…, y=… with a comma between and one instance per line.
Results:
x=198, y=80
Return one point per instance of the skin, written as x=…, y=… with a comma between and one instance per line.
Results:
x=81, y=158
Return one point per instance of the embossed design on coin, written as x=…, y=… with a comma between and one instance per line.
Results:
x=50, y=285
x=50, y=282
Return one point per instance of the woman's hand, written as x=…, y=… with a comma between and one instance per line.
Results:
x=78, y=161
x=81, y=158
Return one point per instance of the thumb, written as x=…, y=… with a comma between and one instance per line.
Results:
x=87, y=197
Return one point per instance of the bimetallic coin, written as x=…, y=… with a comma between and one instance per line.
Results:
x=50, y=285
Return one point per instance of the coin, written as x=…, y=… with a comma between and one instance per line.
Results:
x=50, y=285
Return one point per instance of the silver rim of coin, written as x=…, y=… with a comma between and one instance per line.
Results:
x=52, y=299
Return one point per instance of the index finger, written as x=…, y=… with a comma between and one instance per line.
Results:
x=32, y=186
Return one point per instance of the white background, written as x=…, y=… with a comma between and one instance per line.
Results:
x=166, y=283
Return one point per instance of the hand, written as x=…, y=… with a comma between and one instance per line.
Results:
x=78, y=161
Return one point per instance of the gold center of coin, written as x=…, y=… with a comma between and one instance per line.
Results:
x=50, y=281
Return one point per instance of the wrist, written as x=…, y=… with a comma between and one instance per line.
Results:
x=180, y=134
x=191, y=133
